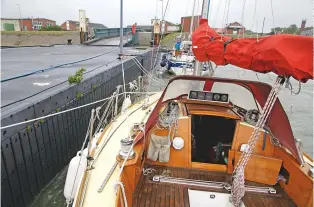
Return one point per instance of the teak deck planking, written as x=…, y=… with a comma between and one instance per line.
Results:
x=153, y=194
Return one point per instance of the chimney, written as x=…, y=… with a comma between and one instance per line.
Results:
x=303, y=25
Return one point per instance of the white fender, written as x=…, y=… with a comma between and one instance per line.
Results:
x=85, y=152
x=126, y=103
x=76, y=169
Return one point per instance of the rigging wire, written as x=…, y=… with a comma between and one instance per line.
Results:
x=158, y=45
x=68, y=110
x=210, y=10
x=272, y=13
x=227, y=19
x=242, y=18
x=54, y=67
x=30, y=96
x=186, y=11
x=224, y=15
x=255, y=20
x=257, y=77
x=218, y=9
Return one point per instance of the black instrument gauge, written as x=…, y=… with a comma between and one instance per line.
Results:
x=209, y=96
x=216, y=97
x=224, y=98
x=193, y=95
x=201, y=96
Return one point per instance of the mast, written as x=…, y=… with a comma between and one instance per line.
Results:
x=192, y=19
x=121, y=45
x=205, y=11
x=121, y=27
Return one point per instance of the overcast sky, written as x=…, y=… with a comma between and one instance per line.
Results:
x=286, y=12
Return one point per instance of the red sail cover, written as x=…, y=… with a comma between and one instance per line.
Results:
x=288, y=55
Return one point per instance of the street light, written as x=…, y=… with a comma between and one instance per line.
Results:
x=20, y=17
x=162, y=9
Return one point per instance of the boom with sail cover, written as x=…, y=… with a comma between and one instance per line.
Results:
x=287, y=55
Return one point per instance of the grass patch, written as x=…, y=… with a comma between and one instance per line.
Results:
x=168, y=41
x=44, y=33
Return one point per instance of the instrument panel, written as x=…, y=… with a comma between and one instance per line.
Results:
x=208, y=96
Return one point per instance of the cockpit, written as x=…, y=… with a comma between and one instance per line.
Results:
x=205, y=123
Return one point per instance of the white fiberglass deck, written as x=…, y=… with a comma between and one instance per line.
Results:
x=105, y=158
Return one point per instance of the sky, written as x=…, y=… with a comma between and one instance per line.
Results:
x=107, y=12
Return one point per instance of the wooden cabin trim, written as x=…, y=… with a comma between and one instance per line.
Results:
x=209, y=166
x=259, y=169
x=190, y=101
x=300, y=184
x=178, y=158
x=242, y=136
x=213, y=113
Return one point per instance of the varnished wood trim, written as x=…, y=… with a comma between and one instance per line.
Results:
x=184, y=109
x=308, y=159
x=189, y=144
x=211, y=167
x=189, y=101
x=213, y=113
x=260, y=169
x=300, y=184
x=78, y=196
x=103, y=133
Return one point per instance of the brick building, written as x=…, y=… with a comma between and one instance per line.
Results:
x=186, y=22
x=30, y=24
x=234, y=28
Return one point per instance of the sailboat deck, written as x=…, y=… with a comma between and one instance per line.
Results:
x=149, y=193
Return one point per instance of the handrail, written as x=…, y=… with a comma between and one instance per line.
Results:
x=110, y=32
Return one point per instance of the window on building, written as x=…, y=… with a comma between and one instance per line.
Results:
x=37, y=25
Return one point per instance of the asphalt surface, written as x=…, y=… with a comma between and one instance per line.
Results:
x=18, y=61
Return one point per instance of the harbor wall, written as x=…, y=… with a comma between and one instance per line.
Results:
x=32, y=154
x=37, y=38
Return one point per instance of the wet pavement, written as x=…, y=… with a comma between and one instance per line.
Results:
x=19, y=61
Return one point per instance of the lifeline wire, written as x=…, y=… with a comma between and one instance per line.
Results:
x=53, y=67
x=61, y=112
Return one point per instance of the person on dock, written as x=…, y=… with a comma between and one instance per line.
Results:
x=177, y=47
x=134, y=29
x=134, y=33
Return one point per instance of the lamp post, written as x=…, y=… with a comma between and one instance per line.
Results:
x=20, y=17
x=162, y=9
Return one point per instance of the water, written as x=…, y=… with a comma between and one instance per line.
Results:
x=299, y=109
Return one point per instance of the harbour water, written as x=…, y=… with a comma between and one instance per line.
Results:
x=299, y=109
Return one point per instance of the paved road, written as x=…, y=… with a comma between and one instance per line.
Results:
x=17, y=61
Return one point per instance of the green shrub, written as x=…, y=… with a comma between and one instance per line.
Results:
x=79, y=95
x=77, y=78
